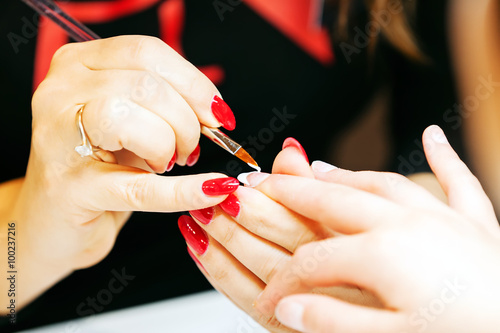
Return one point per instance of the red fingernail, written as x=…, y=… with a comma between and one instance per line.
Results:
x=194, y=235
x=231, y=205
x=193, y=158
x=195, y=259
x=220, y=186
x=223, y=113
x=205, y=215
x=171, y=163
x=291, y=142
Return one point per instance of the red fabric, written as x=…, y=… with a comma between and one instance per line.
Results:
x=298, y=20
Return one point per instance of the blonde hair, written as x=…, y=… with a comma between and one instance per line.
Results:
x=397, y=30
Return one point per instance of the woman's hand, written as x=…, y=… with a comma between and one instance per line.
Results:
x=433, y=266
x=242, y=243
x=143, y=105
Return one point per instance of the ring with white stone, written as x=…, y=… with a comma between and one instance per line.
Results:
x=86, y=148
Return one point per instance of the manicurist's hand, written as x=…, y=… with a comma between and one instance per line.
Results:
x=142, y=109
x=240, y=244
x=434, y=267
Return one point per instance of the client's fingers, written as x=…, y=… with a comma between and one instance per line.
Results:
x=315, y=314
x=333, y=262
x=392, y=186
x=465, y=193
x=267, y=219
x=336, y=206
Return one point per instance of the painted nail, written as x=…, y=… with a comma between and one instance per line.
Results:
x=195, y=258
x=320, y=166
x=193, y=158
x=252, y=179
x=291, y=314
x=204, y=215
x=194, y=235
x=171, y=163
x=291, y=142
x=231, y=205
x=223, y=113
x=220, y=186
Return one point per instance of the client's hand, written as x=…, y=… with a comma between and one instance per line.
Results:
x=435, y=267
x=249, y=237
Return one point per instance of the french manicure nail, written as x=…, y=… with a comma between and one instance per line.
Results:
x=291, y=142
x=171, y=163
x=223, y=113
x=193, y=158
x=252, y=179
x=438, y=135
x=220, y=186
x=194, y=235
x=291, y=314
x=320, y=166
x=204, y=215
x=231, y=205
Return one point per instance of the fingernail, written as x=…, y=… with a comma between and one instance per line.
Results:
x=291, y=314
x=194, y=235
x=320, y=166
x=252, y=179
x=223, y=113
x=220, y=186
x=193, y=158
x=195, y=259
x=438, y=135
x=205, y=215
x=291, y=142
x=231, y=205
x=171, y=163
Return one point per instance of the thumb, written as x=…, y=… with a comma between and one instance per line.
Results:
x=118, y=188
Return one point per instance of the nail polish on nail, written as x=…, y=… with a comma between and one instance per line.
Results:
x=291, y=314
x=193, y=158
x=195, y=259
x=252, y=179
x=231, y=205
x=220, y=186
x=194, y=235
x=204, y=215
x=223, y=113
x=171, y=163
x=291, y=142
x=320, y=166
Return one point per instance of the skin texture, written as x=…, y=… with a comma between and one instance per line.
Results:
x=433, y=266
x=143, y=102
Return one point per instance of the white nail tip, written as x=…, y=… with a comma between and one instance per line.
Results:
x=320, y=166
x=242, y=177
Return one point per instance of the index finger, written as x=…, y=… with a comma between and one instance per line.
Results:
x=344, y=209
x=153, y=55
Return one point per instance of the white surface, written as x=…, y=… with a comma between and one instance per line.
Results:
x=207, y=312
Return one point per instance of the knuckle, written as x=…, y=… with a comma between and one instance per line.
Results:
x=137, y=190
x=229, y=234
x=63, y=52
x=142, y=48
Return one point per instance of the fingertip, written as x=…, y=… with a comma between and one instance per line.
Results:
x=435, y=134
x=290, y=312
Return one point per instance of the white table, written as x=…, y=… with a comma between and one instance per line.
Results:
x=207, y=312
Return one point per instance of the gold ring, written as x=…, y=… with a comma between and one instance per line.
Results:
x=86, y=148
